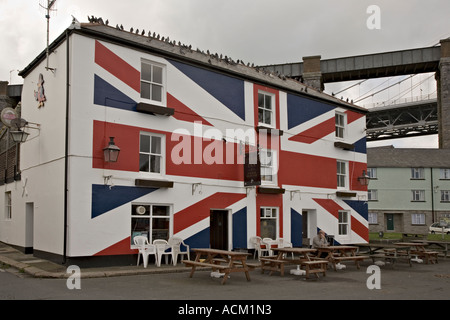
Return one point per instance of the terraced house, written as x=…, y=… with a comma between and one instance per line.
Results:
x=211, y=150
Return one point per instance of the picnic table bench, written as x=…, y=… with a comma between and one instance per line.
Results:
x=442, y=246
x=387, y=252
x=421, y=252
x=234, y=262
x=336, y=254
x=277, y=263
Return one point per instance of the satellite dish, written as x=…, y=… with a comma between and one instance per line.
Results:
x=140, y=210
x=7, y=116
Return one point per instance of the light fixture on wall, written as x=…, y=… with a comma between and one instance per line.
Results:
x=364, y=179
x=111, y=151
x=19, y=136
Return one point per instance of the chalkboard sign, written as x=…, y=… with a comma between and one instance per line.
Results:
x=252, y=169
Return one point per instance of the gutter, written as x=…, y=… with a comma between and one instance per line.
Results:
x=66, y=147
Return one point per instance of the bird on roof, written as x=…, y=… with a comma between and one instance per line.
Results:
x=131, y=29
x=143, y=32
x=121, y=27
x=107, y=22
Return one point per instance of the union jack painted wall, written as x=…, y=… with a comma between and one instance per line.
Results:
x=107, y=82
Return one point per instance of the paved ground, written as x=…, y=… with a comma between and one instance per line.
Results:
x=39, y=279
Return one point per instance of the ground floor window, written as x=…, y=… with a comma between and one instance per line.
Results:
x=418, y=218
x=373, y=218
x=8, y=205
x=343, y=223
x=150, y=220
x=268, y=221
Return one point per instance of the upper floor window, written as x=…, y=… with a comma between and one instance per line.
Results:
x=418, y=195
x=151, y=153
x=342, y=176
x=152, y=82
x=268, y=166
x=340, y=124
x=266, y=109
x=417, y=173
x=8, y=205
x=372, y=173
x=445, y=174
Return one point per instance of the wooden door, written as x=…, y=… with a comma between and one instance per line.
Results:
x=219, y=229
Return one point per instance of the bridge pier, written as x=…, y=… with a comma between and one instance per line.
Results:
x=443, y=95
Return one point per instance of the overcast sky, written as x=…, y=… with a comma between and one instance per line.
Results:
x=259, y=31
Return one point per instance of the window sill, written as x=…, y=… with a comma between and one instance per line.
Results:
x=270, y=130
x=154, y=109
x=151, y=183
x=345, y=194
x=269, y=190
x=343, y=145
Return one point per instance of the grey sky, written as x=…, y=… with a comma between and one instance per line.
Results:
x=259, y=31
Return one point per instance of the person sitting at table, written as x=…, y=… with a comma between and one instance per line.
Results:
x=320, y=241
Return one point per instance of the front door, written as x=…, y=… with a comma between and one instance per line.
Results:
x=389, y=222
x=219, y=229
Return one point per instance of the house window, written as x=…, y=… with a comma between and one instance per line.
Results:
x=152, y=82
x=151, y=153
x=418, y=195
x=373, y=218
x=8, y=206
x=417, y=173
x=372, y=173
x=266, y=115
x=343, y=223
x=150, y=220
x=445, y=174
x=268, y=166
x=372, y=195
x=418, y=218
x=268, y=220
x=342, y=174
x=340, y=124
x=445, y=195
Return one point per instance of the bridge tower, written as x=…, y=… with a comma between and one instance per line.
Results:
x=443, y=95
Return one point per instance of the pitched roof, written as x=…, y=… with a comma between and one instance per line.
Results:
x=407, y=157
x=187, y=54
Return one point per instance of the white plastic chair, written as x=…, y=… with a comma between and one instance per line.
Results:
x=284, y=244
x=269, y=242
x=257, y=242
x=161, y=247
x=176, y=243
x=145, y=249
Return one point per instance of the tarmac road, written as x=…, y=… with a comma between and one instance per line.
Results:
x=401, y=282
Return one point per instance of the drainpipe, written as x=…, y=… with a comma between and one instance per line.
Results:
x=432, y=197
x=66, y=151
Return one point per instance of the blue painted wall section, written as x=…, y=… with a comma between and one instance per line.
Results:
x=105, y=198
x=296, y=228
x=107, y=95
x=240, y=229
x=229, y=91
x=301, y=109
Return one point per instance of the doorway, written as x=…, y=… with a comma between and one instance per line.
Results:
x=218, y=222
x=390, y=222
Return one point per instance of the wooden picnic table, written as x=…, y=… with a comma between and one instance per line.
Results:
x=443, y=245
x=277, y=262
x=420, y=251
x=388, y=251
x=220, y=260
x=336, y=254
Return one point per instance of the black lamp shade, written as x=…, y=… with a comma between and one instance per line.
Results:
x=111, y=151
x=19, y=136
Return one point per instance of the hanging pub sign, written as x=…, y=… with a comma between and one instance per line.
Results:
x=252, y=168
x=40, y=94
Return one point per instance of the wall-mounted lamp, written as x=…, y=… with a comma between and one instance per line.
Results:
x=111, y=151
x=364, y=179
x=19, y=136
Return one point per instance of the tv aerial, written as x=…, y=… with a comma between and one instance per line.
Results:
x=48, y=6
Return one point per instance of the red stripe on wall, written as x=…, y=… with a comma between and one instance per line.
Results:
x=201, y=210
x=315, y=133
x=360, y=229
x=119, y=248
x=352, y=116
x=330, y=205
x=118, y=67
x=183, y=112
x=307, y=170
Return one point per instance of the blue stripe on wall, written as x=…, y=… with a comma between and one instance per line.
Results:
x=198, y=240
x=240, y=229
x=229, y=91
x=359, y=206
x=107, y=95
x=302, y=109
x=105, y=198
x=361, y=145
x=296, y=228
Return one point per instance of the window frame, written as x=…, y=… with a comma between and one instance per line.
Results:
x=444, y=174
x=340, y=127
x=342, y=213
x=372, y=218
x=372, y=195
x=445, y=195
x=339, y=174
x=153, y=64
x=8, y=205
x=271, y=217
x=417, y=173
x=273, y=166
x=162, y=155
x=372, y=173
x=418, y=196
x=418, y=219
x=150, y=218
x=272, y=110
